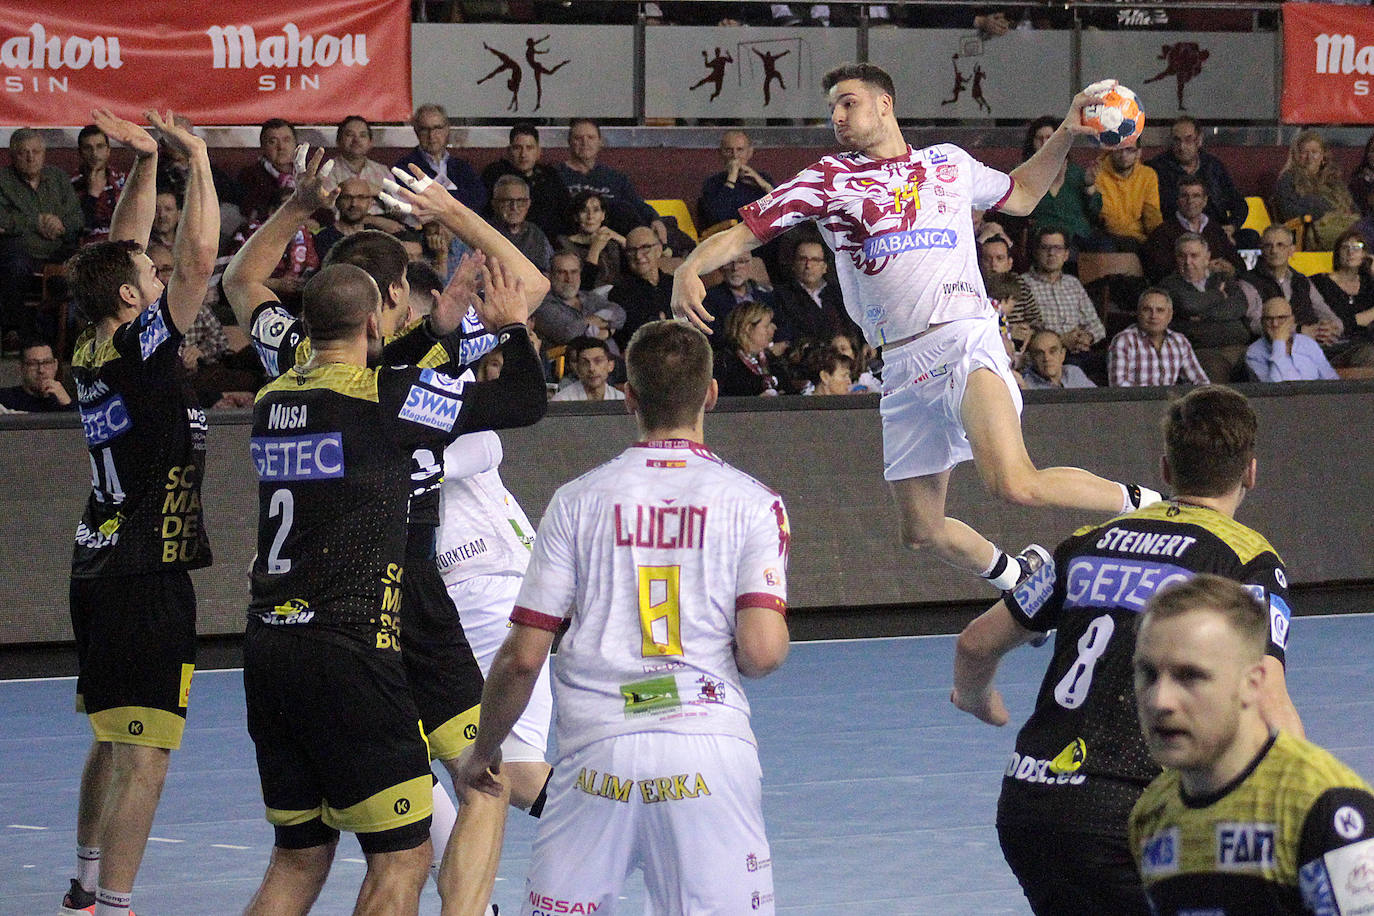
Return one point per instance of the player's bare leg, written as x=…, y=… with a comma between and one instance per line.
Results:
x=293, y=881
x=393, y=882
x=921, y=504
x=136, y=777
x=999, y=451
x=527, y=779
x=467, y=874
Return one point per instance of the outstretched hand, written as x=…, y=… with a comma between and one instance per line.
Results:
x=689, y=298
x=127, y=132
x=1073, y=121
x=311, y=192
x=461, y=295
x=989, y=706
x=179, y=138
x=415, y=193
x=503, y=299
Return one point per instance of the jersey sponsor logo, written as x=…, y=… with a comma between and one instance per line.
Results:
x=784, y=529
x=1348, y=822
x=1245, y=846
x=88, y=394
x=153, y=331
x=1280, y=578
x=960, y=286
x=873, y=314
x=936, y=156
x=1314, y=884
x=890, y=243
x=672, y=788
x=711, y=691
x=1110, y=583
x=1159, y=853
x=754, y=862
x=610, y=786
x=668, y=463
x=757, y=900
x=947, y=173
x=292, y=611
x=1071, y=758
x=1149, y=543
x=105, y=421
x=1280, y=618
x=428, y=408
x=441, y=382
x=544, y=905
x=1341, y=881
x=454, y=556
x=1033, y=770
x=655, y=694
x=315, y=457
x=661, y=527
x=98, y=539
x=1031, y=595
x=286, y=416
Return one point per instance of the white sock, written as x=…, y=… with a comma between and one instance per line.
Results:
x=87, y=867
x=1004, y=572
x=440, y=826
x=109, y=903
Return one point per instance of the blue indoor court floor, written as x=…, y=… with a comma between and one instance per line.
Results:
x=879, y=795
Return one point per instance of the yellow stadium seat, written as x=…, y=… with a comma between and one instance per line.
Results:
x=678, y=209
x=1311, y=263
x=1258, y=218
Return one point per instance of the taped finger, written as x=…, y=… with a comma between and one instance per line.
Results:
x=393, y=203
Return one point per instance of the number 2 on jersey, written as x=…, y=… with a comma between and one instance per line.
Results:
x=1072, y=688
x=283, y=504
x=660, y=613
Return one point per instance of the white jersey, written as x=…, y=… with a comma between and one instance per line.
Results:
x=649, y=557
x=482, y=529
x=901, y=230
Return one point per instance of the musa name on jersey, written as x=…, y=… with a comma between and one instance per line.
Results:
x=146, y=440
x=1080, y=760
x=482, y=529
x=649, y=557
x=1294, y=833
x=901, y=230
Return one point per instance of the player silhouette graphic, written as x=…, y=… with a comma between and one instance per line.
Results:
x=715, y=72
x=1183, y=61
x=507, y=63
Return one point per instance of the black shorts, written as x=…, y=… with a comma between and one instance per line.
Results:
x=136, y=647
x=1065, y=872
x=338, y=740
x=444, y=677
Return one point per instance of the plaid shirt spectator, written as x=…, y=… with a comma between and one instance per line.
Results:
x=1133, y=361
x=1064, y=304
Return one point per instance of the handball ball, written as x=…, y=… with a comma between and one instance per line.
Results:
x=1115, y=114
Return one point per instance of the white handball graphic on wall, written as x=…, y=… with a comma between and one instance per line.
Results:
x=1115, y=114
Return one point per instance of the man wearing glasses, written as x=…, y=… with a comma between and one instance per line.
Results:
x=810, y=305
x=1065, y=307
x=432, y=156
x=39, y=390
x=645, y=292
x=510, y=200
x=1226, y=206
x=550, y=204
x=351, y=210
x=1283, y=354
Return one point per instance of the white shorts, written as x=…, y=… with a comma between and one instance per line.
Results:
x=685, y=809
x=923, y=393
x=484, y=604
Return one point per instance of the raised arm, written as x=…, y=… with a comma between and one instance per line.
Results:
x=245, y=279
x=1032, y=178
x=133, y=213
x=689, y=293
x=197, y=242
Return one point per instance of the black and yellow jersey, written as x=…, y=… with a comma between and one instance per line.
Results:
x=1080, y=760
x=332, y=447
x=1294, y=833
x=146, y=440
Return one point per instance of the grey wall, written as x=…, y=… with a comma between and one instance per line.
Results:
x=825, y=457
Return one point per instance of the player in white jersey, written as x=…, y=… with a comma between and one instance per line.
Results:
x=668, y=568
x=899, y=221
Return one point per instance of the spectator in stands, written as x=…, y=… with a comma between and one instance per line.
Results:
x=351, y=209
x=859, y=353
x=1310, y=187
x=1072, y=203
x=834, y=373
x=353, y=137
x=432, y=156
x=510, y=201
x=260, y=182
x=1226, y=206
x=1157, y=254
x=599, y=246
x=625, y=209
x=594, y=365
x=744, y=369
x=1274, y=277
x=40, y=223
x=1064, y=304
x=1284, y=354
x=166, y=218
x=739, y=183
x=1148, y=352
x=568, y=311
x=1044, y=365
x=1130, y=199
x=645, y=290
x=1362, y=179
x=1002, y=290
x=810, y=305
x=440, y=248
x=550, y=204
x=97, y=185
x=298, y=261
x=1209, y=308
x=994, y=259
x=1349, y=288
x=736, y=286
x=39, y=389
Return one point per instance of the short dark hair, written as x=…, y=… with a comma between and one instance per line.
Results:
x=870, y=74
x=528, y=130
x=579, y=345
x=24, y=134
x=1154, y=291
x=274, y=124
x=668, y=364
x=349, y=120
x=95, y=274
x=1028, y=142
x=1001, y=286
x=1209, y=440
x=1040, y=232
x=423, y=278
x=1188, y=119
x=336, y=301
x=1189, y=237
x=1226, y=597
x=592, y=121
x=90, y=130
x=32, y=343
x=1192, y=181
x=831, y=360
x=579, y=200
x=381, y=255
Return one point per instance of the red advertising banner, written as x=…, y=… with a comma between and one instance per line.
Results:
x=226, y=62
x=1328, y=64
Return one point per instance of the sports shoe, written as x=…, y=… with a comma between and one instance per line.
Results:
x=77, y=900
x=1032, y=558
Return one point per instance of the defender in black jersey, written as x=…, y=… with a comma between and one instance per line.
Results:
x=1243, y=820
x=132, y=605
x=1080, y=762
x=329, y=711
